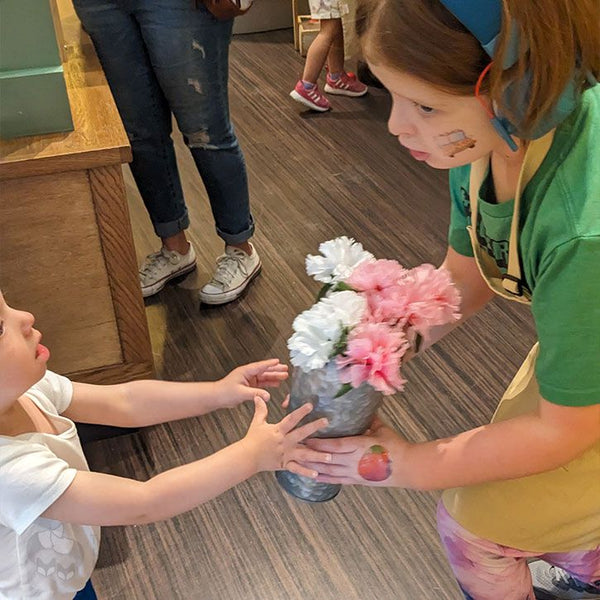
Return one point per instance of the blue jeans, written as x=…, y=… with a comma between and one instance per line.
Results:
x=87, y=593
x=162, y=57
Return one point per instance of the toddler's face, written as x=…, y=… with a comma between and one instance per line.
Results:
x=436, y=127
x=22, y=357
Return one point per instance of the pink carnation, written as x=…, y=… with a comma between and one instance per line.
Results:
x=431, y=298
x=376, y=276
x=389, y=305
x=373, y=355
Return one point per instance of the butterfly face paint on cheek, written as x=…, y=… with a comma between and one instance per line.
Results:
x=454, y=142
x=375, y=464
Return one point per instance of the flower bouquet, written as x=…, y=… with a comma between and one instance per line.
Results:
x=347, y=349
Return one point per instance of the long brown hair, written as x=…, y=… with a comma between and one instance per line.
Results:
x=423, y=39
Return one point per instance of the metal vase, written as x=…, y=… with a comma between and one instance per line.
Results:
x=350, y=414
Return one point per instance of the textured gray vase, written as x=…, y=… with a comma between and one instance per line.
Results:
x=350, y=414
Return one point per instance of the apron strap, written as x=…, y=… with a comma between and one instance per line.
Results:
x=534, y=156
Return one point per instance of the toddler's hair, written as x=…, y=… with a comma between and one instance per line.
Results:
x=422, y=38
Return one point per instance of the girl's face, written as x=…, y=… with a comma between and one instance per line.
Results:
x=436, y=127
x=22, y=357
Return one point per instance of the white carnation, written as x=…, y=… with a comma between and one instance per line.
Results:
x=339, y=258
x=318, y=329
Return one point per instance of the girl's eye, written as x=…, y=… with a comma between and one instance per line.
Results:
x=426, y=110
x=1, y=328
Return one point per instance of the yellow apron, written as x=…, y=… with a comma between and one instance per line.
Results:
x=555, y=511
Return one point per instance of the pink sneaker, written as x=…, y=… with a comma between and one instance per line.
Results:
x=346, y=85
x=312, y=98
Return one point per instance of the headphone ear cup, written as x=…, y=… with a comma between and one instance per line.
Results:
x=517, y=96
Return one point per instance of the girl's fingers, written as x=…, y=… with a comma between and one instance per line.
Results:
x=294, y=467
x=329, y=470
x=290, y=421
x=306, y=455
x=286, y=402
x=336, y=480
x=303, y=432
x=337, y=445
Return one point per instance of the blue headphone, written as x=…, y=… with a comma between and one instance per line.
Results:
x=483, y=18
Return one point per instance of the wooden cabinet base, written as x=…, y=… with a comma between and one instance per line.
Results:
x=67, y=256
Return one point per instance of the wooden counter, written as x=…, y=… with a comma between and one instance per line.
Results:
x=66, y=248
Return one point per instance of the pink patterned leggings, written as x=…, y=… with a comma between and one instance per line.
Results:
x=488, y=571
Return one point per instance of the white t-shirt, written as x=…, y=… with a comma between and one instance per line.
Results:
x=43, y=559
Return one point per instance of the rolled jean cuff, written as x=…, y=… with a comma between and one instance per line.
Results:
x=236, y=238
x=171, y=228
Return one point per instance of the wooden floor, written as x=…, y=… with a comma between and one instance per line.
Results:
x=312, y=177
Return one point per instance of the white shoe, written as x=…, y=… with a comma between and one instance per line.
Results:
x=235, y=270
x=553, y=583
x=162, y=266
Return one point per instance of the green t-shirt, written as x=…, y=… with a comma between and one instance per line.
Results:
x=559, y=246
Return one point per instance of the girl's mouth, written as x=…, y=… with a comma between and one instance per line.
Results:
x=419, y=155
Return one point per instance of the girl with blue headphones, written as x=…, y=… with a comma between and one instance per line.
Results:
x=503, y=94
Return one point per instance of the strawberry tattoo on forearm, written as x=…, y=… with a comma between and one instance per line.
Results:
x=375, y=464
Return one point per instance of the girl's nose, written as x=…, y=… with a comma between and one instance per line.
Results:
x=399, y=122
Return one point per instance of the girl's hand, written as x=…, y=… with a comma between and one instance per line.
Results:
x=277, y=446
x=245, y=382
x=373, y=458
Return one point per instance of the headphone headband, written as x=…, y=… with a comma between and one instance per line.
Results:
x=483, y=18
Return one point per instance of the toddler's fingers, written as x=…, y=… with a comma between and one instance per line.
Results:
x=263, y=394
x=286, y=402
x=256, y=368
x=288, y=423
x=294, y=467
x=260, y=411
x=303, y=432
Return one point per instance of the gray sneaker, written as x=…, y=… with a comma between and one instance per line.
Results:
x=235, y=270
x=553, y=583
x=162, y=266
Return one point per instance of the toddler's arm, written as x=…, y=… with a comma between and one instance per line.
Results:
x=99, y=499
x=141, y=403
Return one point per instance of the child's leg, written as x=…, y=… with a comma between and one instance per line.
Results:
x=484, y=570
x=319, y=49
x=577, y=575
x=335, y=58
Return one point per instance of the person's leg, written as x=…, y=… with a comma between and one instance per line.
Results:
x=571, y=575
x=484, y=570
x=189, y=51
x=320, y=48
x=335, y=57
x=338, y=81
x=143, y=109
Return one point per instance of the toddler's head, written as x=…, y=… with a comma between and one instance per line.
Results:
x=22, y=357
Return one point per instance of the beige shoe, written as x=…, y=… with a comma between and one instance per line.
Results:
x=162, y=266
x=235, y=270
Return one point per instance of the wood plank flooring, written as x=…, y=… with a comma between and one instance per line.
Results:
x=312, y=177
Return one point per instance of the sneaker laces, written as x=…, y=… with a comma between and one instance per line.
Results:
x=227, y=266
x=154, y=262
x=563, y=581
